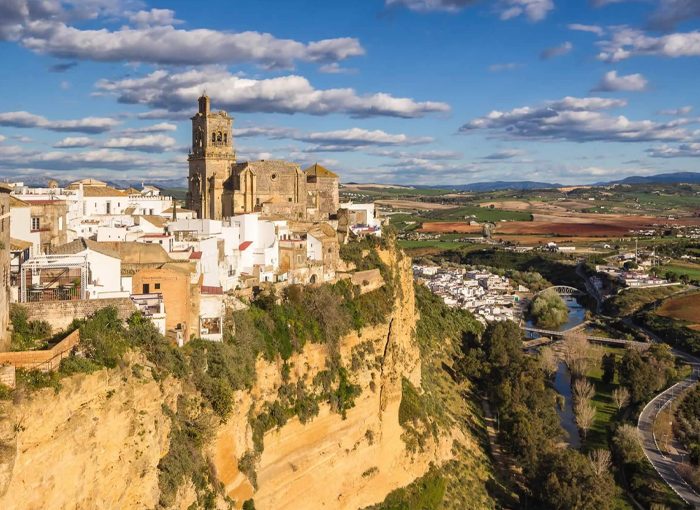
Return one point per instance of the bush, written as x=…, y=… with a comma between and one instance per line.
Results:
x=35, y=380
x=549, y=310
x=426, y=493
x=78, y=365
x=27, y=335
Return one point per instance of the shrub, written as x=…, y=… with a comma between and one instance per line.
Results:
x=78, y=365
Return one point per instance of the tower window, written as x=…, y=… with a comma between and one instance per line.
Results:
x=273, y=177
x=218, y=138
x=213, y=137
x=225, y=137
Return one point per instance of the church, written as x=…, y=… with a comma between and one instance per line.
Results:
x=220, y=187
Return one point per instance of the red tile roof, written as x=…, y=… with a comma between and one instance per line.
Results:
x=206, y=289
x=244, y=245
x=195, y=255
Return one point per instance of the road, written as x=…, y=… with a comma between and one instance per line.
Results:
x=666, y=465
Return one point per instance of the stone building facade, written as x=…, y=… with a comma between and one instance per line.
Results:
x=220, y=187
x=4, y=267
x=210, y=160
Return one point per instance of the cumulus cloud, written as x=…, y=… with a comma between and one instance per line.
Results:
x=45, y=26
x=334, y=141
x=534, y=10
x=612, y=82
x=593, y=29
x=168, y=45
x=686, y=150
x=178, y=92
x=24, y=119
x=629, y=42
x=149, y=143
x=99, y=159
x=556, y=51
x=161, y=127
x=74, y=141
x=669, y=13
x=413, y=155
x=154, y=17
x=577, y=120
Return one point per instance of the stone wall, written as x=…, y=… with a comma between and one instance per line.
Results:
x=46, y=360
x=59, y=314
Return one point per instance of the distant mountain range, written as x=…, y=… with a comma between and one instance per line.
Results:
x=668, y=178
x=499, y=185
x=672, y=178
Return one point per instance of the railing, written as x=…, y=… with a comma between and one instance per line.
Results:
x=45, y=361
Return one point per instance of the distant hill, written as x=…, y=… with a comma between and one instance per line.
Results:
x=499, y=185
x=671, y=178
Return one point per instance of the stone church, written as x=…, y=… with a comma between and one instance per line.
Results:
x=219, y=187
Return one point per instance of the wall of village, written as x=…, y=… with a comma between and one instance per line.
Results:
x=4, y=267
x=59, y=314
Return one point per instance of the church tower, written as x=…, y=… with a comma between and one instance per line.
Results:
x=210, y=160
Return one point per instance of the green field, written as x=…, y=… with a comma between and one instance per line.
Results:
x=603, y=402
x=692, y=270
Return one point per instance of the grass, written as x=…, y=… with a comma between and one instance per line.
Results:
x=630, y=300
x=692, y=270
x=429, y=243
x=603, y=402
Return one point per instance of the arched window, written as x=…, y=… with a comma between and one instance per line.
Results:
x=225, y=137
x=218, y=138
x=213, y=137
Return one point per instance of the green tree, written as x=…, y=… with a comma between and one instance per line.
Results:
x=608, y=365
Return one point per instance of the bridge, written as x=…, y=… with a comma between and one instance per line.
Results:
x=591, y=338
x=564, y=290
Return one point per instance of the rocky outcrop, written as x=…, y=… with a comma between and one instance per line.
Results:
x=336, y=462
x=97, y=442
x=94, y=444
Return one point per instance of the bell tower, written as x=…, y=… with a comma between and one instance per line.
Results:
x=210, y=160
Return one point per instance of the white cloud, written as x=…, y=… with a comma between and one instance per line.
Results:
x=683, y=110
x=178, y=92
x=74, y=141
x=593, y=29
x=431, y=5
x=686, y=150
x=577, y=120
x=534, y=10
x=556, y=51
x=24, y=119
x=150, y=143
x=168, y=45
x=161, y=127
x=508, y=66
x=612, y=82
x=505, y=154
x=153, y=17
x=335, y=68
x=630, y=42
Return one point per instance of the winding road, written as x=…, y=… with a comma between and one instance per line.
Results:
x=665, y=465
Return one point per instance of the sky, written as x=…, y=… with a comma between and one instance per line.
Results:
x=426, y=92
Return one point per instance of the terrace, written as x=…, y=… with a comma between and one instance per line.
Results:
x=53, y=278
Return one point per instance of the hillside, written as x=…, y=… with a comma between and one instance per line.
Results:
x=316, y=425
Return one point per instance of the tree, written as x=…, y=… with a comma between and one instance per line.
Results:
x=549, y=309
x=577, y=354
x=548, y=360
x=626, y=441
x=583, y=390
x=565, y=479
x=621, y=397
x=601, y=460
x=608, y=365
x=585, y=415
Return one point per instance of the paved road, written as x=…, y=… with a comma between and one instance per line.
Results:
x=667, y=465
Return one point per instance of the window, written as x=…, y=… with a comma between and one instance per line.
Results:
x=36, y=223
x=156, y=286
x=146, y=288
x=213, y=137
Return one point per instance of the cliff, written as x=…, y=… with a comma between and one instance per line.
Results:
x=97, y=442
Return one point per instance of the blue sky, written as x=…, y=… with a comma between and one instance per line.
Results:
x=396, y=91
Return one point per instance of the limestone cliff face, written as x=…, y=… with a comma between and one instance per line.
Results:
x=94, y=444
x=333, y=462
x=97, y=442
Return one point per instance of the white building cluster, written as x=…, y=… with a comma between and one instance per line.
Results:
x=89, y=240
x=488, y=296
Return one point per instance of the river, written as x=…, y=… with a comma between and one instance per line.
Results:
x=562, y=384
x=562, y=378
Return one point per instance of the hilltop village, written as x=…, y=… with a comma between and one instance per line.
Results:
x=67, y=251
